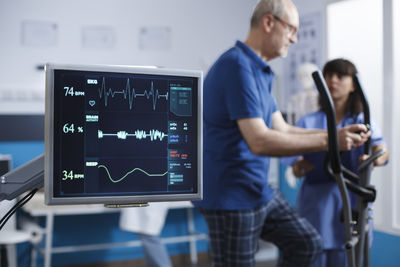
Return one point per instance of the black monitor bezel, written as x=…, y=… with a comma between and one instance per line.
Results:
x=50, y=199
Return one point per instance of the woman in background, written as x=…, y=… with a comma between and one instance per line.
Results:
x=319, y=198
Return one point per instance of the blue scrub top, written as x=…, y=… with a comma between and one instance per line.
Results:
x=237, y=86
x=319, y=199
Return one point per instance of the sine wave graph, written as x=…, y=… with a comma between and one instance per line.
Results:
x=139, y=134
x=130, y=172
x=130, y=94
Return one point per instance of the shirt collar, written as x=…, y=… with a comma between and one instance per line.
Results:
x=350, y=118
x=253, y=56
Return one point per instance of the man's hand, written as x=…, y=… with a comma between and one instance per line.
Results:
x=352, y=136
x=301, y=167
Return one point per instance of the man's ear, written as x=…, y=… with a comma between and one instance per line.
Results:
x=267, y=22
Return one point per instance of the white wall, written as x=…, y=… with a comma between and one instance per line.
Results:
x=200, y=31
x=359, y=38
x=396, y=110
x=391, y=181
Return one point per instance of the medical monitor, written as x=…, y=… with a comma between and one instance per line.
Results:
x=122, y=134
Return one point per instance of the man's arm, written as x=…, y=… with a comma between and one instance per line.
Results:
x=286, y=140
x=270, y=142
x=279, y=123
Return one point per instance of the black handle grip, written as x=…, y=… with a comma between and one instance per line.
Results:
x=365, y=104
x=371, y=159
x=328, y=108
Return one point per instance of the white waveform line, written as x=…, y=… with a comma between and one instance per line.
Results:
x=130, y=94
x=123, y=177
x=139, y=134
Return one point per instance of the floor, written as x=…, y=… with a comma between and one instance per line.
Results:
x=178, y=261
x=134, y=264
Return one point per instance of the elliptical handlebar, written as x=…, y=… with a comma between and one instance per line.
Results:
x=366, y=111
x=335, y=165
x=370, y=160
x=356, y=231
x=327, y=106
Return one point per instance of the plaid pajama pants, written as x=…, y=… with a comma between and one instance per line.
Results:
x=234, y=234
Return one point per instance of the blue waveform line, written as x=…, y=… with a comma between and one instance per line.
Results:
x=139, y=134
x=129, y=172
x=130, y=94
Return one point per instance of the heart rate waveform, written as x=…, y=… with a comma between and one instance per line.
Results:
x=139, y=134
x=128, y=173
x=130, y=94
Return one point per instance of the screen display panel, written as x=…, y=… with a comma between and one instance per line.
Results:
x=121, y=134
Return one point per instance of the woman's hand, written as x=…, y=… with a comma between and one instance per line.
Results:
x=301, y=167
x=379, y=161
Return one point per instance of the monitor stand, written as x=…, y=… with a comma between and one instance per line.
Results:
x=131, y=205
x=23, y=178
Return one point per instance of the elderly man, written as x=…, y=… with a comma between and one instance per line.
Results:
x=242, y=128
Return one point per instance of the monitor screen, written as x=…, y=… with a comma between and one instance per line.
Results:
x=122, y=134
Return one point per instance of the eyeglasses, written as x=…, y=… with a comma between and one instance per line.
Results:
x=292, y=29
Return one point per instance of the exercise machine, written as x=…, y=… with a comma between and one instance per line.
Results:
x=356, y=221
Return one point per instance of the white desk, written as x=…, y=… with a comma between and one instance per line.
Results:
x=36, y=208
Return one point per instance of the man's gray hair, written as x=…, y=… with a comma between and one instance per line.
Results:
x=273, y=7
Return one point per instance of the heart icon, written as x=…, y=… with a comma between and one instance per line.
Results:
x=92, y=103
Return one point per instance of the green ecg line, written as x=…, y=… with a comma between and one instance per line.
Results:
x=123, y=177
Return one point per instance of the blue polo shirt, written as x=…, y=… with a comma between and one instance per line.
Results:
x=237, y=86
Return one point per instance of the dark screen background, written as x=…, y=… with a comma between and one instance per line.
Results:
x=124, y=134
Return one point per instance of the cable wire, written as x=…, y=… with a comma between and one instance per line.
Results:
x=17, y=205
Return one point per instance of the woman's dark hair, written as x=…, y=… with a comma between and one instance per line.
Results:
x=344, y=67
